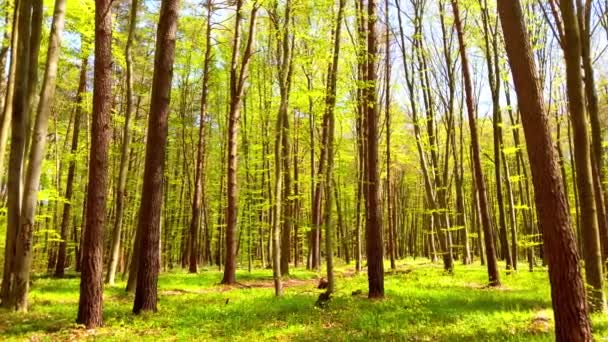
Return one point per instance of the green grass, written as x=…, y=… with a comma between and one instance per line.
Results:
x=421, y=304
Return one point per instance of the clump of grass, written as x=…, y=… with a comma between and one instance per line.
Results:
x=422, y=304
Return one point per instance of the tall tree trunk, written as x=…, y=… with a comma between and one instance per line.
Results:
x=328, y=143
x=582, y=153
x=567, y=286
x=493, y=275
x=125, y=150
x=150, y=210
x=67, y=206
x=599, y=177
x=91, y=280
x=4, y=129
x=198, y=174
x=493, y=65
x=389, y=194
x=18, y=137
x=282, y=148
x=237, y=84
x=373, y=222
x=7, y=109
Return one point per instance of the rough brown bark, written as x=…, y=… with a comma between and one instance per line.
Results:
x=373, y=222
x=567, y=286
x=152, y=195
x=91, y=280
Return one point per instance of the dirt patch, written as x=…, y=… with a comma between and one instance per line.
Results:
x=260, y=284
x=399, y=272
x=478, y=286
x=541, y=323
x=263, y=284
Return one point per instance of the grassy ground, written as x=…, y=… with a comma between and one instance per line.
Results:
x=422, y=304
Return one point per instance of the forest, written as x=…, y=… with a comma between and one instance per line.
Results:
x=327, y=170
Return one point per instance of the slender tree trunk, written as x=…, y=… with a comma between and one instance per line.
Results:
x=124, y=153
x=389, y=195
x=237, y=83
x=493, y=275
x=198, y=176
x=67, y=206
x=7, y=109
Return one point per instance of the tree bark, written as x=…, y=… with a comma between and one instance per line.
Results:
x=91, y=280
x=373, y=218
x=493, y=275
x=237, y=84
x=584, y=176
x=156, y=145
x=567, y=286
x=20, y=111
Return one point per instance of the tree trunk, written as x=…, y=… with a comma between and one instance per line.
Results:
x=7, y=109
x=582, y=153
x=18, y=137
x=150, y=210
x=237, y=84
x=198, y=176
x=493, y=275
x=91, y=280
x=567, y=286
x=373, y=222
x=67, y=206
x=124, y=153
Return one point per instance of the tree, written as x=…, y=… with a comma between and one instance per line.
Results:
x=373, y=217
x=493, y=274
x=238, y=75
x=327, y=176
x=582, y=154
x=150, y=210
x=124, y=153
x=567, y=286
x=24, y=254
x=281, y=244
x=90, y=312
x=198, y=176
x=20, y=110
x=69, y=189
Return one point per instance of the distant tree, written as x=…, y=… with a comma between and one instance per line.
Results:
x=197, y=200
x=69, y=188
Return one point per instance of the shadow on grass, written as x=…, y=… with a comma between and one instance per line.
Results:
x=415, y=308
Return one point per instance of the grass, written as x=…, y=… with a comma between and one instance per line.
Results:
x=421, y=304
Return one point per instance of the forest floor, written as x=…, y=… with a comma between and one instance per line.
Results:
x=422, y=304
